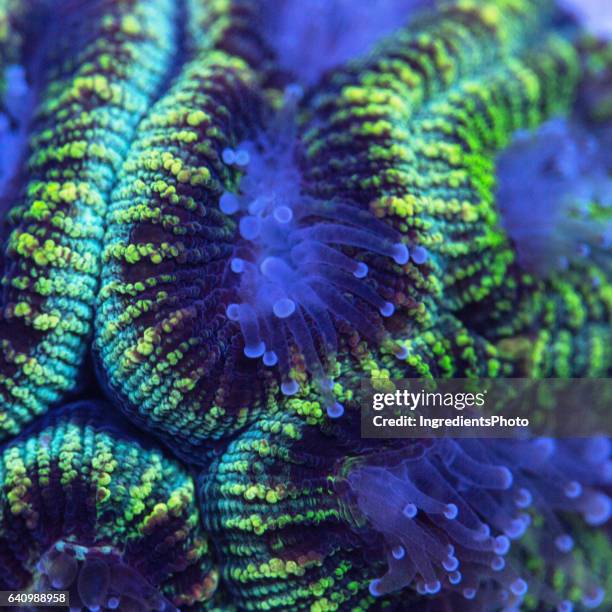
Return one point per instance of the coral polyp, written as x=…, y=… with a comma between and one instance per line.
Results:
x=96, y=578
x=561, y=208
x=90, y=509
x=405, y=523
x=455, y=509
x=294, y=277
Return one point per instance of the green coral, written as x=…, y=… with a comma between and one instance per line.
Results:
x=90, y=105
x=78, y=481
x=116, y=236
x=269, y=502
x=412, y=132
x=165, y=245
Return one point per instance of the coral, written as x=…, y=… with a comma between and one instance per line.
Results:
x=163, y=339
x=293, y=275
x=114, y=57
x=458, y=507
x=270, y=505
x=555, y=196
x=89, y=508
x=202, y=276
x=306, y=520
x=231, y=213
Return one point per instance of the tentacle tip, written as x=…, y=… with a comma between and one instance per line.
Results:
x=228, y=155
x=242, y=157
x=519, y=587
x=335, y=411
x=270, y=358
x=249, y=227
x=598, y=510
x=374, y=588
x=451, y=511
x=433, y=587
x=387, y=309
x=450, y=564
x=283, y=308
x=401, y=254
x=498, y=564
x=237, y=265
x=233, y=312
x=594, y=598
x=290, y=387
x=469, y=593
x=398, y=552
x=523, y=498
x=572, y=489
x=419, y=255
x=255, y=351
x=283, y=214
x=501, y=545
x=516, y=529
x=361, y=270
x=507, y=477
x=229, y=203
x=410, y=510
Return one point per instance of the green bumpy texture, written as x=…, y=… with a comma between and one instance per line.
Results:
x=270, y=504
x=116, y=238
x=91, y=98
x=78, y=478
x=415, y=132
x=275, y=505
x=165, y=246
x=412, y=132
x=441, y=127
